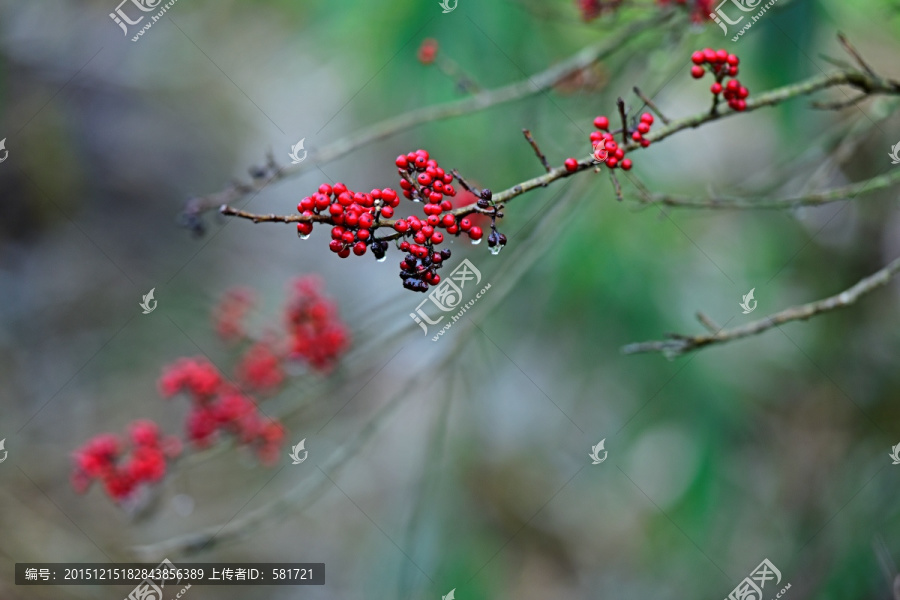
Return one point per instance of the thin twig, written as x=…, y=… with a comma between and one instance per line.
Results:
x=708, y=322
x=839, y=105
x=651, y=105
x=465, y=184
x=681, y=344
x=856, y=56
x=537, y=150
x=454, y=72
x=837, y=194
x=616, y=186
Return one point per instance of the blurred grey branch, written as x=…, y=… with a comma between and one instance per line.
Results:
x=678, y=344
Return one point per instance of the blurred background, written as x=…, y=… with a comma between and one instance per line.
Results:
x=462, y=463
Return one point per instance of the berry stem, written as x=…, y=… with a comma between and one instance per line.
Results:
x=621, y=104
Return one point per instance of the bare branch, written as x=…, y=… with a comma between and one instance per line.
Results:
x=856, y=56
x=678, y=345
x=529, y=86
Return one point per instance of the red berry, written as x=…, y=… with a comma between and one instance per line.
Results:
x=571, y=167
x=733, y=60
x=626, y=164
x=344, y=253
x=401, y=162
x=647, y=118
x=387, y=212
x=643, y=127
x=465, y=224
x=636, y=136
x=335, y=209
x=611, y=146
x=335, y=245
x=697, y=58
x=645, y=143
x=359, y=248
x=437, y=237
x=325, y=189
x=716, y=88
x=697, y=72
x=611, y=162
x=596, y=136
x=709, y=54
x=601, y=123
x=448, y=220
x=401, y=226
x=304, y=228
x=348, y=237
x=722, y=55
x=363, y=234
x=366, y=220
x=475, y=232
x=743, y=92
x=339, y=188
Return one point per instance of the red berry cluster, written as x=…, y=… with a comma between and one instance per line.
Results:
x=722, y=65
x=260, y=369
x=103, y=458
x=220, y=407
x=607, y=150
x=228, y=315
x=423, y=180
x=353, y=215
x=591, y=9
x=700, y=9
x=316, y=333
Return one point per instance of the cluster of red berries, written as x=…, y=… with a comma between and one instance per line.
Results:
x=605, y=148
x=219, y=406
x=260, y=369
x=722, y=65
x=102, y=458
x=591, y=9
x=423, y=180
x=700, y=9
x=316, y=334
x=353, y=215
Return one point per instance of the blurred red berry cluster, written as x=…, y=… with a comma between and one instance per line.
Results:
x=591, y=9
x=219, y=408
x=105, y=458
x=316, y=333
x=721, y=64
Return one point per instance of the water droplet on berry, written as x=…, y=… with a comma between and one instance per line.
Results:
x=305, y=237
x=495, y=250
x=382, y=259
x=476, y=242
